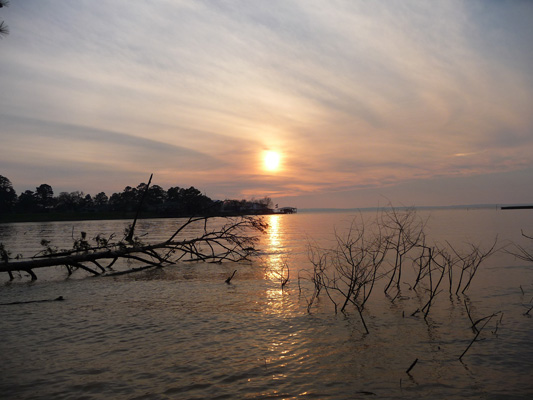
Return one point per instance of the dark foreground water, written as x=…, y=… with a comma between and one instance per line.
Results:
x=182, y=333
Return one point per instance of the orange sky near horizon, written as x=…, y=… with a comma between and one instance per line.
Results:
x=420, y=103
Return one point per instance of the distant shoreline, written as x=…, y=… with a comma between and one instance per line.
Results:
x=452, y=207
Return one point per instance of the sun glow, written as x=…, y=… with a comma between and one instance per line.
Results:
x=271, y=160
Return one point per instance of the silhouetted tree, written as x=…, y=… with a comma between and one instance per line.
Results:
x=188, y=201
x=73, y=201
x=129, y=198
x=175, y=201
x=194, y=202
x=156, y=196
x=26, y=202
x=114, y=202
x=232, y=206
x=8, y=196
x=101, y=200
x=265, y=202
x=124, y=201
x=44, y=196
x=173, y=194
x=4, y=30
x=88, y=202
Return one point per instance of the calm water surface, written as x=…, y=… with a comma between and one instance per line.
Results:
x=182, y=333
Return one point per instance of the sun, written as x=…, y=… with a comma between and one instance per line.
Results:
x=271, y=160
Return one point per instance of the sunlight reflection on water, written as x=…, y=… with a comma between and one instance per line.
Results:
x=276, y=266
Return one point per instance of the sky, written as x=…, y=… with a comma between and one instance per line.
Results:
x=365, y=102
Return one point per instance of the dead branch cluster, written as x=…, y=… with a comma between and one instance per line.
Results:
x=380, y=250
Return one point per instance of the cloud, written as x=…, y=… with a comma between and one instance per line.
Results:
x=55, y=146
x=356, y=94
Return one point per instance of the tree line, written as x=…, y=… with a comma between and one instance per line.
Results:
x=4, y=30
x=175, y=201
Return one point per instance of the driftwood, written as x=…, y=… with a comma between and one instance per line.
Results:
x=60, y=298
x=232, y=241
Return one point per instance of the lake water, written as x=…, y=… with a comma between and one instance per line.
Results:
x=182, y=333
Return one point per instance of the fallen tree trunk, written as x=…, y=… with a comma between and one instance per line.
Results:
x=232, y=241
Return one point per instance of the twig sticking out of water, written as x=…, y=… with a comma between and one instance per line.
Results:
x=528, y=311
x=487, y=318
x=405, y=232
x=412, y=365
x=470, y=317
x=470, y=262
x=228, y=280
x=474, y=323
x=348, y=272
x=285, y=274
x=498, y=323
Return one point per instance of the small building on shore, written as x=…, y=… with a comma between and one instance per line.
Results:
x=286, y=210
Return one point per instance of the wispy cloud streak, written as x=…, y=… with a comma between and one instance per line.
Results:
x=355, y=94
